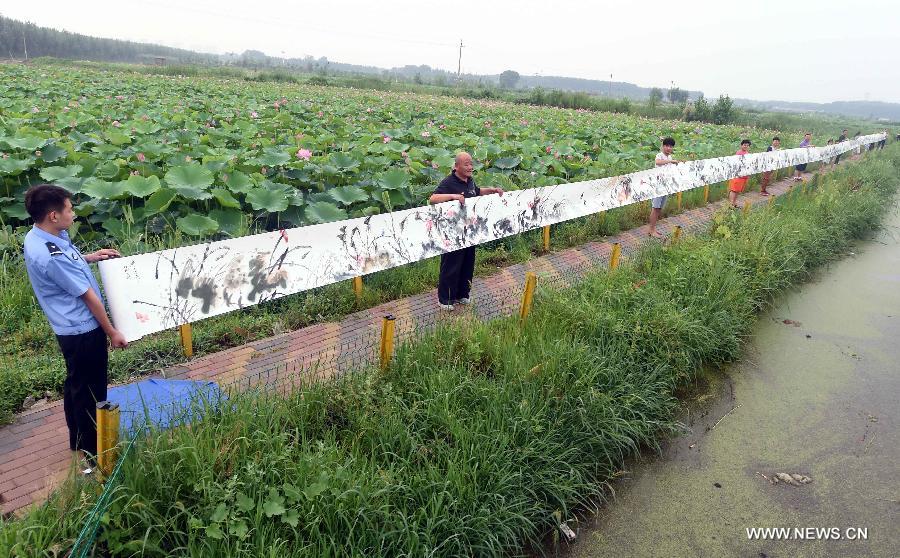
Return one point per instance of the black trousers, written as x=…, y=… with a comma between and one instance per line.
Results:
x=457, y=269
x=86, y=364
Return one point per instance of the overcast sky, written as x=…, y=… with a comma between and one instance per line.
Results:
x=795, y=50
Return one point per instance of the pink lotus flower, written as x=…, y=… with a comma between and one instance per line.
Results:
x=442, y=127
x=254, y=115
x=426, y=134
x=35, y=109
x=435, y=166
x=321, y=114
x=116, y=123
x=549, y=149
x=120, y=97
x=304, y=154
x=141, y=157
x=264, y=170
x=386, y=139
x=404, y=154
x=65, y=109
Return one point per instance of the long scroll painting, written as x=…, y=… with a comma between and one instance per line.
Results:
x=160, y=290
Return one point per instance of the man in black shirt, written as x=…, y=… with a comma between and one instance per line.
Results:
x=457, y=268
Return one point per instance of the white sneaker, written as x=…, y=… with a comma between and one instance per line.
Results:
x=448, y=307
x=463, y=301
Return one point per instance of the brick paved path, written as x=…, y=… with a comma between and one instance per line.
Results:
x=34, y=448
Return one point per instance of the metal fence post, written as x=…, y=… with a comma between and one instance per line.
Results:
x=527, y=295
x=186, y=333
x=387, y=340
x=107, y=435
x=614, y=256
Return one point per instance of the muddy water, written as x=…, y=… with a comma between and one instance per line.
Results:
x=819, y=396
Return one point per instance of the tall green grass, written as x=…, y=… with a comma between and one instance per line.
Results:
x=480, y=437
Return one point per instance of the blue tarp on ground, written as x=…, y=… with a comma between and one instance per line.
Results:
x=163, y=403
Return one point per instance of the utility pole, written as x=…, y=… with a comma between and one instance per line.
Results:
x=459, y=64
x=24, y=44
x=609, y=89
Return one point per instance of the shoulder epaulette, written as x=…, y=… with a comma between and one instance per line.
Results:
x=54, y=249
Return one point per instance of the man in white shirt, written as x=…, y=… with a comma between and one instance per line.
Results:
x=664, y=157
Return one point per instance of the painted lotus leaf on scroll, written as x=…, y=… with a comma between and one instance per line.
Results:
x=160, y=290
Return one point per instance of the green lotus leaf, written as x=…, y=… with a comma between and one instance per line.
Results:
x=56, y=173
x=507, y=162
x=107, y=170
x=27, y=143
x=347, y=195
x=393, y=179
x=16, y=211
x=190, y=177
x=324, y=212
x=264, y=199
x=142, y=187
x=114, y=227
x=103, y=190
x=238, y=182
x=159, y=201
x=343, y=161
x=14, y=167
x=71, y=183
x=230, y=221
x=225, y=198
x=52, y=153
x=273, y=157
x=197, y=225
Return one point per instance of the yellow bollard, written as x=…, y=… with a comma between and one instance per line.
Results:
x=187, y=339
x=771, y=200
x=746, y=209
x=676, y=234
x=358, y=288
x=614, y=256
x=706, y=194
x=547, y=238
x=387, y=341
x=107, y=436
x=678, y=201
x=527, y=295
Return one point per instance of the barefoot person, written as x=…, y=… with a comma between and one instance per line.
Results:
x=69, y=295
x=664, y=157
x=736, y=185
x=457, y=268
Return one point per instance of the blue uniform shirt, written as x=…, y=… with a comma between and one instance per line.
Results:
x=59, y=276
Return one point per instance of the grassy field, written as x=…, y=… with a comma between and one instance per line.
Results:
x=480, y=437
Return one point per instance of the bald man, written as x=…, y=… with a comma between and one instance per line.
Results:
x=457, y=268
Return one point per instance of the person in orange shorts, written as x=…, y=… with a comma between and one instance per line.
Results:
x=736, y=185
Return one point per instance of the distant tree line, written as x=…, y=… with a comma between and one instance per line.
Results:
x=22, y=40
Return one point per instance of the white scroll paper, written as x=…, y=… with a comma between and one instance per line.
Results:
x=160, y=290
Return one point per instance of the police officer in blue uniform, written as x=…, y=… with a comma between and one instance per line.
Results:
x=70, y=297
x=458, y=267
